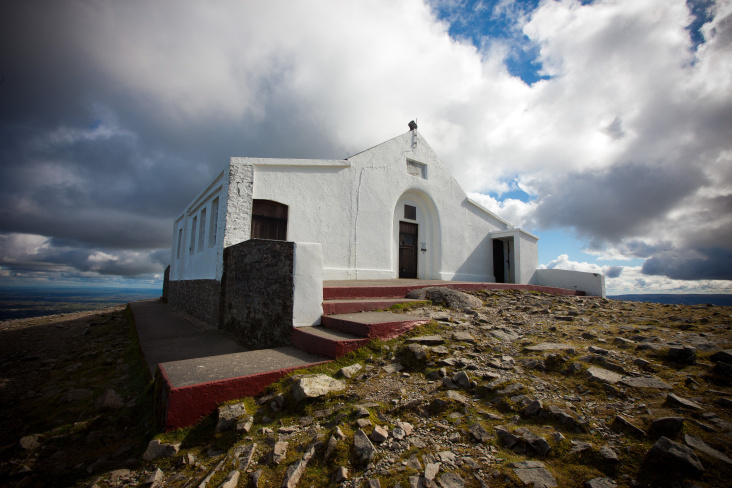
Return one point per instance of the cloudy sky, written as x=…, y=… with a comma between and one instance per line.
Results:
x=603, y=126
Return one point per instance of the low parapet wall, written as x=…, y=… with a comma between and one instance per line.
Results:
x=593, y=284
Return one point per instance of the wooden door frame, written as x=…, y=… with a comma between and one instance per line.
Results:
x=415, y=248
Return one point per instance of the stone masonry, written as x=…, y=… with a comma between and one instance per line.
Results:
x=257, y=292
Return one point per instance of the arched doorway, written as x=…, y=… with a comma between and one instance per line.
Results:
x=416, y=237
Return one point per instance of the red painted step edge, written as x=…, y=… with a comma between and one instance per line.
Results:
x=184, y=406
x=400, y=291
x=382, y=330
x=325, y=347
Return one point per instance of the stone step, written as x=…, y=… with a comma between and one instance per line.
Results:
x=190, y=389
x=326, y=342
x=382, y=325
x=331, y=307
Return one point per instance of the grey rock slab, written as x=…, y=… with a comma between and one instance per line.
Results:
x=504, y=335
x=373, y=483
x=673, y=454
x=30, y=442
x=463, y=337
x=279, y=452
x=428, y=340
x=537, y=443
x=349, y=371
x=340, y=475
x=227, y=416
x=156, y=479
x=479, y=433
x=418, y=351
x=645, y=382
x=701, y=446
x=602, y=375
x=314, y=386
x=534, y=473
x=245, y=456
x=674, y=400
x=600, y=483
x=363, y=448
x=450, y=298
x=431, y=470
x=413, y=463
x=724, y=356
x=609, y=455
x=231, y=480
x=666, y=427
x=297, y=469
x=156, y=449
x=532, y=409
x=457, y=397
x=461, y=379
x=624, y=425
x=506, y=437
x=578, y=447
x=451, y=480
x=552, y=346
x=379, y=434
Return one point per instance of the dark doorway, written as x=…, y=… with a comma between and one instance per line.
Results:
x=407, y=250
x=269, y=220
x=498, y=260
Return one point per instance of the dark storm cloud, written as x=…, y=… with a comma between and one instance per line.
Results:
x=617, y=202
x=699, y=264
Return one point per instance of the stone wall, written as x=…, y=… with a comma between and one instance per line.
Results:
x=166, y=284
x=257, y=291
x=200, y=298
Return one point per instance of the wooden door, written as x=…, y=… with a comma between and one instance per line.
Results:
x=407, y=250
x=269, y=220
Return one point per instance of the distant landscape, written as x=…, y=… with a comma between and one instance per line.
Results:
x=678, y=299
x=27, y=302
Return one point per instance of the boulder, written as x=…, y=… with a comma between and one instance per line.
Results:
x=673, y=400
x=447, y=297
x=314, y=386
x=672, y=455
x=227, y=415
x=156, y=449
x=666, y=427
x=363, y=449
x=349, y=371
x=534, y=473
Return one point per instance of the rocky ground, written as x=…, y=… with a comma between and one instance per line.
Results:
x=514, y=389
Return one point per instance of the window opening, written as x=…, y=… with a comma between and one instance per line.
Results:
x=410, y=212
x=193, y=236
x=214, y=223
x=180, y=243
x=202, y=230
x=416, y=169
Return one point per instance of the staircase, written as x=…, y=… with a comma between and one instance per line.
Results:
x=352, y=316
x=195, y=371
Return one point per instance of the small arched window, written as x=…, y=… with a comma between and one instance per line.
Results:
x=269, y=220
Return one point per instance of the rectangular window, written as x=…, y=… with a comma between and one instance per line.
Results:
x=180, y=243
x=202, y=230
x=416, y=169
x=410, y=212
x=193, y=236
x=214, y=223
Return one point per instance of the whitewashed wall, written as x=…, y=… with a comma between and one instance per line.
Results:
x=352, y=208
x=592, y=284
